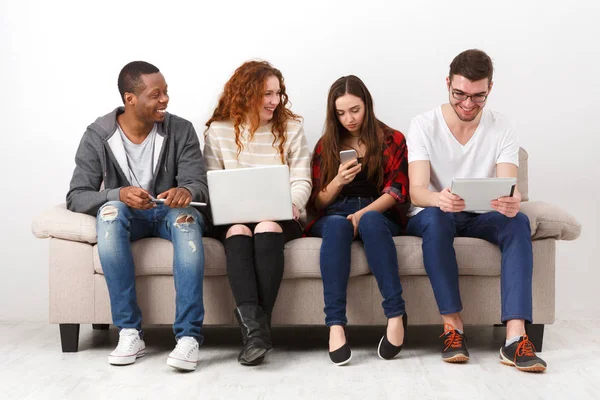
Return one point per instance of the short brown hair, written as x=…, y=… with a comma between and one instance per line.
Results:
x=473, y=64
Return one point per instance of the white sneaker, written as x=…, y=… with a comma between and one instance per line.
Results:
x=130, y=347
x=185, y=354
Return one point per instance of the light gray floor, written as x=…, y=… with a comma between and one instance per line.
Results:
x=33, y=367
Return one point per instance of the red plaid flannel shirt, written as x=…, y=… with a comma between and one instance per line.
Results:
x=395, y=176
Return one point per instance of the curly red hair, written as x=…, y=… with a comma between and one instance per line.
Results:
x=241, y=100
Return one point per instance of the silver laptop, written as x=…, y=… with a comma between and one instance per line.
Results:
x=245, y=195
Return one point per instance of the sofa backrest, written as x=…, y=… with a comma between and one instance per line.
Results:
x=522, y=180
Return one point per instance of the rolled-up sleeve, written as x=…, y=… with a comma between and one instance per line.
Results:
x=396, y=169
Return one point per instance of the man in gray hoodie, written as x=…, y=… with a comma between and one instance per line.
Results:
x=126, y=160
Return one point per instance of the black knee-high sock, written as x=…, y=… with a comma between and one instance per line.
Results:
x=239, y=251
x=268, y=256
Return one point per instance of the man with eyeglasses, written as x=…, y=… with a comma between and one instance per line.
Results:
x=126, y=159
x=463, y=139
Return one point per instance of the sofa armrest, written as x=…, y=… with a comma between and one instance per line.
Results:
x=550, y=221
x=58, y=222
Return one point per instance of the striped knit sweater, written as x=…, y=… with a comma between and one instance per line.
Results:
x=220, y=152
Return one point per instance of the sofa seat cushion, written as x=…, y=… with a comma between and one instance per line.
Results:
x=475, y=257
x=302, y=259
x=154, y=256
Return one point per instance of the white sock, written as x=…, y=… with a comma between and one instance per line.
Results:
x=512, y=340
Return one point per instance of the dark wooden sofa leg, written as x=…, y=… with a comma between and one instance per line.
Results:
x=536, y=335
x=69, y=337
x=100, y=327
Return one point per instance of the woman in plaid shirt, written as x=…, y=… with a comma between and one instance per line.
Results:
x=367, y=197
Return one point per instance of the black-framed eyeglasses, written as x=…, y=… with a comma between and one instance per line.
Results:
x=475, y=98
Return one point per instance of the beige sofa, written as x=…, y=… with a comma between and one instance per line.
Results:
x=78, y=292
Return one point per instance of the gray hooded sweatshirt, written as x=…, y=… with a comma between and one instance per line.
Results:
x=178, y=163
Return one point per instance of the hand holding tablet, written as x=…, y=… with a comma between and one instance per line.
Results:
x=449, y=202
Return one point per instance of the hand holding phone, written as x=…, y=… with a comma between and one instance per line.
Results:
x=347, y=155
x=349, y=167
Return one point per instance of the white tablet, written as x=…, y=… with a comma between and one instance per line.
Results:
x=478, y=193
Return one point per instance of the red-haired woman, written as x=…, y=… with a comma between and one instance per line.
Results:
x=252, y=126
x=367, y=197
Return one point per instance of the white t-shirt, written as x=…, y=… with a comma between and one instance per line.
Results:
x=430, y=139
x=140, y=159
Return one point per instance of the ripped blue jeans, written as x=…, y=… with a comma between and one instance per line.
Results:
x=117, y=226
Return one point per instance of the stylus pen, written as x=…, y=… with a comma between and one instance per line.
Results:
x=193, y=203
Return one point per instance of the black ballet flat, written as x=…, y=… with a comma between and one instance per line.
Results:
x=341, y=356
x=386, y=350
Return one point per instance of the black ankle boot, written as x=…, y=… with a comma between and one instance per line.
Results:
x=260, y=359
x=256, y=334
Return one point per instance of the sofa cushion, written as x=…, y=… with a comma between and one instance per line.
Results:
x=475, y=257
x=154, y=256
x=302, y=259
x=548, y=221
x=60, y=223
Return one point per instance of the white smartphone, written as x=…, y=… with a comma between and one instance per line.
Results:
x=347, y=155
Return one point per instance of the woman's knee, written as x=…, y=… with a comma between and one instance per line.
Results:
x=268, y=226
x=370, y=219
x=336, y=225
x=238, y=229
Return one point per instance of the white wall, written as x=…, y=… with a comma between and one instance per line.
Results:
x=60, y=63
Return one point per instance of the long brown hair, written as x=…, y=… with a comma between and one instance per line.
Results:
x=242, y=98
x=371, y=133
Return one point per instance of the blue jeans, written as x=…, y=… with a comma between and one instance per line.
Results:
x=117, y=226
x=513, y=235
x=376, y=231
